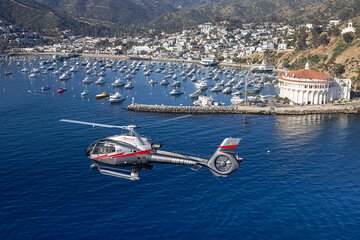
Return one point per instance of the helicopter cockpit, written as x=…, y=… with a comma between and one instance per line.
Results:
x=101, y=147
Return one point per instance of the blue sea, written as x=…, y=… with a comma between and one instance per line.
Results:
x=300, y=178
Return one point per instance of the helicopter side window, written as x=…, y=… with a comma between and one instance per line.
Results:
x=99, y=148
x=109, y=148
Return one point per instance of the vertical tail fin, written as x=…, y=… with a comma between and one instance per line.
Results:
x=223, y=161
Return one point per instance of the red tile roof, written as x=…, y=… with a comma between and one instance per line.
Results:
x=307, y=74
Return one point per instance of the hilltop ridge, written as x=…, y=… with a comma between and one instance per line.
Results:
x=104, y=17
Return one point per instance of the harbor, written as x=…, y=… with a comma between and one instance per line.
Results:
x=351, y=108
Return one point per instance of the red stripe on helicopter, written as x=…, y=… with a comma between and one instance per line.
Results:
x=121, y=155
x=228, y=146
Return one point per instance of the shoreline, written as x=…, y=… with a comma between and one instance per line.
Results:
x=127, y=57
x=350, y=108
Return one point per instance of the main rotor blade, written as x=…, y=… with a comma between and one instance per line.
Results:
x=164, y=121
x=97, y=124
x=173, y=119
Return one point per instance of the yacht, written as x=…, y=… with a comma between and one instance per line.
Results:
x=205, y=101
x=129, y=85
x=33, y=75
x=117, y=97
x=164, y=82
x=195, y=94
x=74, y=69
x=152, y=82
x=176, y=84
x=85, y=92
x=64, y=77
x=202, y=85
x=176, y=92
x=117, y=83
x=217, y=88
x=209, y=62
x=227, y=90
x=46, y=87
x=101, y=80
x=237, y=100
x=86, y=80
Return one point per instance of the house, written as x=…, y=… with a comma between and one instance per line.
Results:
x=348, y=29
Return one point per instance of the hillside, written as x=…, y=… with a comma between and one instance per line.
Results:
x=337, y=57
x=34, y=16
x=101, y=17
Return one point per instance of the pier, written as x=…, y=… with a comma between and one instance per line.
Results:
x=349, y=108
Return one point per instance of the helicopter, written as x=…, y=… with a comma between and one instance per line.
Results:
x=113, y=155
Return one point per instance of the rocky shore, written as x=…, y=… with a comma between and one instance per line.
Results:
x=349, y=108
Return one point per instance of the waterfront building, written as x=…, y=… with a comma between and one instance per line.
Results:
x=307, y=86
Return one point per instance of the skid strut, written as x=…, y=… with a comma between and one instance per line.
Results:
x=132, y=174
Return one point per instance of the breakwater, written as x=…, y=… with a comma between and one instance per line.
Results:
x=351, y=108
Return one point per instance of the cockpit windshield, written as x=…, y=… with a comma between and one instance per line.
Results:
x=103, y=148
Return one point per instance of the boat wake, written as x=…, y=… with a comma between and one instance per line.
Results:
x=40, y=93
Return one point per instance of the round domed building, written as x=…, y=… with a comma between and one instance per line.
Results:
x=307, y=86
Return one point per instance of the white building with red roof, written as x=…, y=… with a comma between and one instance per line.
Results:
x=307, y=86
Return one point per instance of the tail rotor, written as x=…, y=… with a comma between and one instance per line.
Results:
x=224, y=161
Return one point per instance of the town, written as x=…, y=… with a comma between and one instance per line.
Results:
x=221, y=42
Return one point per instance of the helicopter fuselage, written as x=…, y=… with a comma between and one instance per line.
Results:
x=120, y=150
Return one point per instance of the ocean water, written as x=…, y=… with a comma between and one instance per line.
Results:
x=299, y=180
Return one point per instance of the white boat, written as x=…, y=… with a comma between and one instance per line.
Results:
x=205, y=101
x=46, y=87
x=33, y=75
x=129, y=85
x=85, y=92
x=116, y=97
x=152, y=81
x=176, y=84
x=118, y=83
x=86, y=80
x=209, y=62
x=195, y=94
x=74, y=69
x=176, y=92
x=64, y=77
x=237, y=100
x=24, y=70
x=227, y=90
x=202, y=85
x=164, y=82
x=35, y=70
x=217, y=88
x=236, y=93
x=101, y=80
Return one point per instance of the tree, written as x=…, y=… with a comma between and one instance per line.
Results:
x=301, y=39
x=339, y=70
x=348, y=37
x=334, y=32
x=324, y=39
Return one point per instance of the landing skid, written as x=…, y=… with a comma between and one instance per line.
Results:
x=132, y=174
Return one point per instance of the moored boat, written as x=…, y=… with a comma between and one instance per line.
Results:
x=85, y=92
x=116, y=97
x=61, y=90
x=46, y=87
x=102, y=95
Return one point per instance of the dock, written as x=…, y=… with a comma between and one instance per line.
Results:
x=349, y=108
